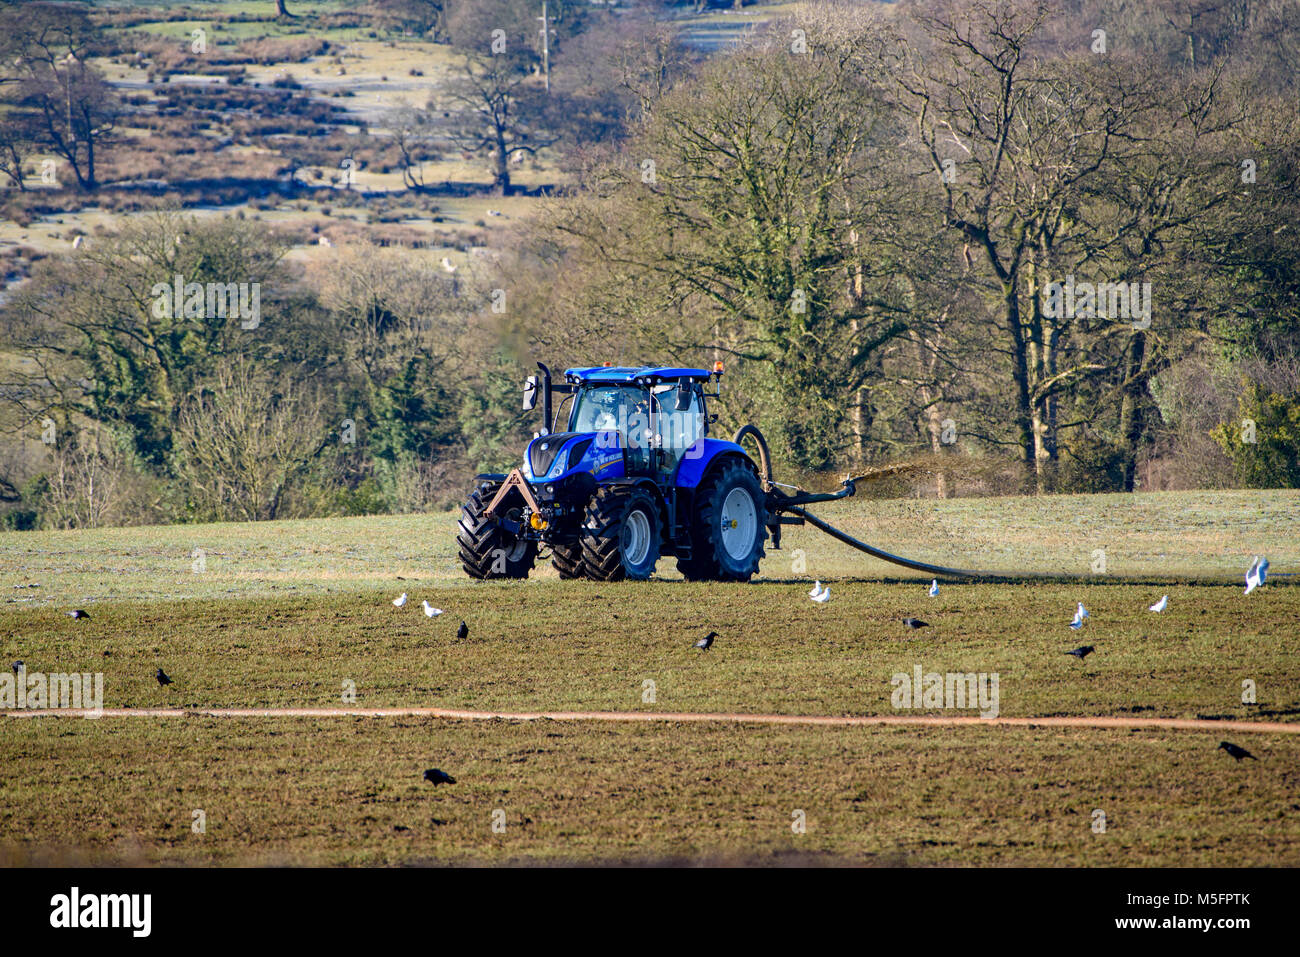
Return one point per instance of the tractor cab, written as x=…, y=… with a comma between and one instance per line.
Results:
x=656, y=416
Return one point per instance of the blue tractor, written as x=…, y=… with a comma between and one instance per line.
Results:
x=635, y=475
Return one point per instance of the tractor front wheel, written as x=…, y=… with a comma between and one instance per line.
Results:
x=486, y=549
x=621, y=535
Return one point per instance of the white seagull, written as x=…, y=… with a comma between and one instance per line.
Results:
x=400, y=600
x=1258, y=572
x=447, y=265
x=430, y=611
x=934, y=589
x=1080, y=614
x=819, y=594
x=1161, y=605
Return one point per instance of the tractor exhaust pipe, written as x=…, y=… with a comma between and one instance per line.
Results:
x=546, y=398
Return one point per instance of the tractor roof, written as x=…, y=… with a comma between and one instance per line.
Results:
x=615, y=374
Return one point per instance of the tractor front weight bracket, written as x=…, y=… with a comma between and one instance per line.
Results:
x=515, y=480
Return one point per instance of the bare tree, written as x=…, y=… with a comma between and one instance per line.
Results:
x=85, y=482
x=242, y=441
x=414, y=131
x=1045, y=164
x=13, y=153
x=499, y=115
x=65, y=104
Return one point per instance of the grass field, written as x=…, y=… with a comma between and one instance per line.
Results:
x=284, y=614
x=349, y=791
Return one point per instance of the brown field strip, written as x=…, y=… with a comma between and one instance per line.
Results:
x=1058, y=721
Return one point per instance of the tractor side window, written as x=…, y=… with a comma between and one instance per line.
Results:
x=677, y=430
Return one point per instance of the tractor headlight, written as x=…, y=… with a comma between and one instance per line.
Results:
x=537, y=522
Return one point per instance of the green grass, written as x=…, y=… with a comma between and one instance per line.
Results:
x=348, y=791
x=285, y=613
x=579, y=646
x=1158, y=535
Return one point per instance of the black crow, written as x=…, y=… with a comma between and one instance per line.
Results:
x=438, y=776
x=1083, y=651
x=463, y=631
x=77, y=613
x=17, y=666
x=705, y=643
x=1235, y=750
x=915, y=623
x=162, y=677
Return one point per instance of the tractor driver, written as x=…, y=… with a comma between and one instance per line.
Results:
x=608, y=407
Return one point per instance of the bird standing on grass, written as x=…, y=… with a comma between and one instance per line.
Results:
x=430, y=611
x=915, y=623
x=463, y=631
x=934, y=589
x=705, y=643
x=1080, y=616
x=162, y=678
x=77, y=613
x=1257, y=573
x=400, y=600
x=1082, y=652
x=1161, y=605
x=438, y=776
x=1236, y=750
x=819, y=594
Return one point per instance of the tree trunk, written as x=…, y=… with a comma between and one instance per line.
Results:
x=501, y=184
x=1130, y=421
x=1025, y=417
x=280, y=10
x=1041, y=344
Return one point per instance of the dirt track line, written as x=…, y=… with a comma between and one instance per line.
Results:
x=695, y=717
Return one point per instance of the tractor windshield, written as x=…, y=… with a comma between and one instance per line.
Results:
x=603, y=407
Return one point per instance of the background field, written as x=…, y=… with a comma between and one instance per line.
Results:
x=1157, y=535
x=285, y=613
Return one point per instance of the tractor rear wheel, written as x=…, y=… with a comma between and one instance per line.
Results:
x=621, y=535
x=486, y=549
x=729, y=528
x=567, y=560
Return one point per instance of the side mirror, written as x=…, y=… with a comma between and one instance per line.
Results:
x=683, y=400
x=530, y=393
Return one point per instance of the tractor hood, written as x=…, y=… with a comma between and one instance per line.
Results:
x=552, y=457
x=544, y=453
